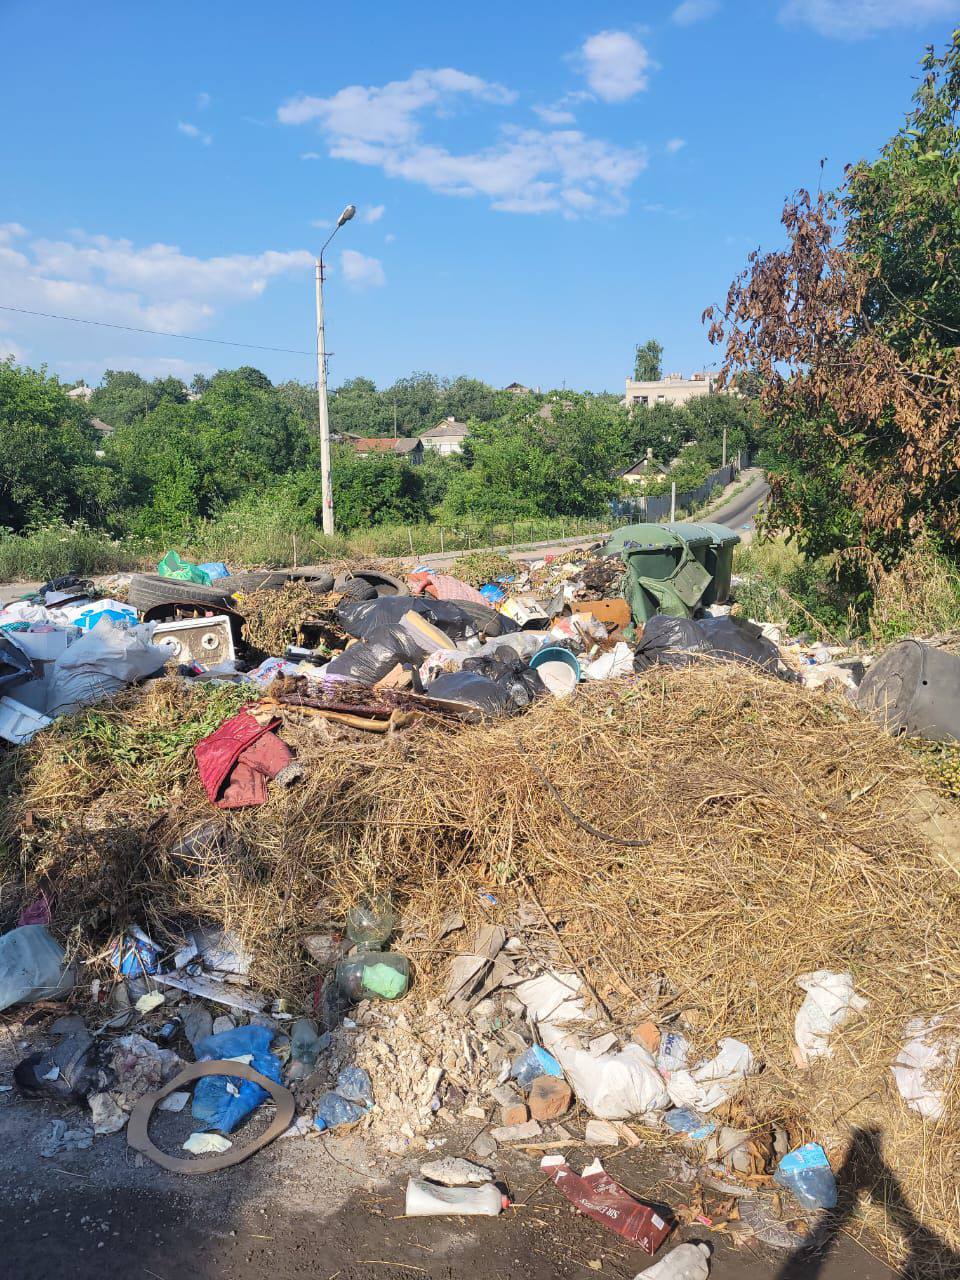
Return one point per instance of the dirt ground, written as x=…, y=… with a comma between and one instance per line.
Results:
x=322, y=1207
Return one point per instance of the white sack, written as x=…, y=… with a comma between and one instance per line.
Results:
x=714, y=1082
x=829, y=1003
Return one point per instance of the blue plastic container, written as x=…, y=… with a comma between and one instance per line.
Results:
x=807, y=1173
x=554, y=653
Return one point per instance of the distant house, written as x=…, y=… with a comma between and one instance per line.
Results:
x=104, y=428
x=546, y=410
x=517, y=389
x=81, y=392
x=447, y=437
x=673, y=389
x=641, y=473
x=409, y=448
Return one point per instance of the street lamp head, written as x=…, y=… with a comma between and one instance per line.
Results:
x=347, y=214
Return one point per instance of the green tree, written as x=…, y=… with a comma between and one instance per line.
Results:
x=48, y=460
x=123, y=396
x=648, y=361
x=853, y=330
x=380, y=489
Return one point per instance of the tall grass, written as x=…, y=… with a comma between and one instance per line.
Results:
x=245, y=540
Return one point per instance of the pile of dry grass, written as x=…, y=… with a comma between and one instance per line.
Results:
x=276, y=617
x=699, y=838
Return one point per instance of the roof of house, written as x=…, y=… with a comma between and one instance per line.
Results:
x=99, y=425
x=448, y=429
x=516, y=386
x=645, y=466
x=384, y=444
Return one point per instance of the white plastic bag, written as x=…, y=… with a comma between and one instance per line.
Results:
x=614, y=1086
x=100, y=663
x=609, y=666
x=714, y=1082
x=32, y=966
x=921, y=1065
x=553, y=999
x=829, y=1003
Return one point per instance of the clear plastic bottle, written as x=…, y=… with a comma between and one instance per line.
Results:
x=685, y=1262
x=371, y=922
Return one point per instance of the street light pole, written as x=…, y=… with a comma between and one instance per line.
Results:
x=326, y=487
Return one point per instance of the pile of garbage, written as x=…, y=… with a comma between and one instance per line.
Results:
x=436, y=864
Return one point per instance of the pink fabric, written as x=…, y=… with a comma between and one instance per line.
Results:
x=442, y=586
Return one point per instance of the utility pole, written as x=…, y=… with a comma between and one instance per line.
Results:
x=326, y=486
x=724, y=462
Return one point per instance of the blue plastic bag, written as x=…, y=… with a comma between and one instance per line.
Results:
x=135, y=954
x=235, y=1043
x=535, y=1062
x=492, y=593
x=807, y=1173
x=332, y=1110
x=90, y=617
x=214, y=569
x=683, y=1120
x=221, y=1102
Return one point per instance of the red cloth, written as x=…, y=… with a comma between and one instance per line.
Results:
x=237, y=759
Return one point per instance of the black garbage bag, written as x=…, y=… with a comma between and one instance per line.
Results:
x=69, y=1072
x=367, y=661
x=472, y=689
x=676, y=642
x=511, y=672
x=454, y=619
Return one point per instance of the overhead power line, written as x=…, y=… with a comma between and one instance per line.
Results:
x=158, y=333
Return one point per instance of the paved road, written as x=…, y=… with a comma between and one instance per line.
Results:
x=740, y=513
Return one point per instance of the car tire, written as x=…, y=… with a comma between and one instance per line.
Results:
x=148, y=589
x=384, y=584
x=354, y=590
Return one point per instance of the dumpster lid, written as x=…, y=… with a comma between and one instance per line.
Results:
x=720, y=534
x=641, y=537
x=694, y=535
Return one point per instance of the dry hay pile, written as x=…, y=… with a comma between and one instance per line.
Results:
x=699, y=837
x=274, y=617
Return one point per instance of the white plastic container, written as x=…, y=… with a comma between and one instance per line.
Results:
x=427, y=1200
x=686, y=1262
x=18, y=723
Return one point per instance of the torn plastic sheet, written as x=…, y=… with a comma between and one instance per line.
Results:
x=715, y=1081
x=210, y=989
x=829, y=1003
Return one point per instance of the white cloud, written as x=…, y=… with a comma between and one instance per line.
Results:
x=146, y=366
x=675, y=145
x=388, y=114
x=150, y=286
x=523, y=171
x=192, y=131
x=11, y=231
x=203, y=101
x=311, y=155
x=361, y=272
x=322, y=224
x=554, y=114
x=691, y=11
x=389, y=238
x=856, y=19
x=615, y=64
x=373, y=213
x=10, y=350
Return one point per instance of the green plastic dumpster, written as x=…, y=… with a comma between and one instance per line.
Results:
x=715, y=554
x=663, y=573
x=662, y=549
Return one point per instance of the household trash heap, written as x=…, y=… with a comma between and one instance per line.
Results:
x=479, y=872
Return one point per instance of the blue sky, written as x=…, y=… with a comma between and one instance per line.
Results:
x=540, y=186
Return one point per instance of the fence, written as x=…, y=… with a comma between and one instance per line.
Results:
x=652, y=509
